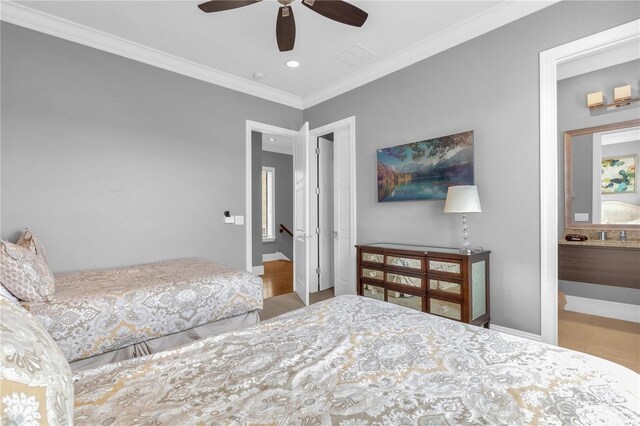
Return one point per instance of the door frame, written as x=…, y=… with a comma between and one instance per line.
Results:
x=255, y=126
x=549, y=61
x=350, y=123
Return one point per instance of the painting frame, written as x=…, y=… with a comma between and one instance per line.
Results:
x=618, y=175
x=424, y=170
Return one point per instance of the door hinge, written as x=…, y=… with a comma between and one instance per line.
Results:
x=318, y=271
x=317, y=151
x=318, y=231
x=318, y=191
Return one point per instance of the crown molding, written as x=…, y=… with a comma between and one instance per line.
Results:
x=499, y=15
x=610, y=57
x=23, y=16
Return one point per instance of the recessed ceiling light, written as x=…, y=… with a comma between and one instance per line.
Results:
x=293, y=64
x=272, y=139
x=258, y=76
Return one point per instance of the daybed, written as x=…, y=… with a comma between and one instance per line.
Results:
x=349, y=361
x=108, y=315
x=102, y=316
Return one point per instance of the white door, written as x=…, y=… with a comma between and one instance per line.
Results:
x=325, y=212
x=302, y=231
x=344, y=259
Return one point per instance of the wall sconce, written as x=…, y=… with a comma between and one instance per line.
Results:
x=621, y=97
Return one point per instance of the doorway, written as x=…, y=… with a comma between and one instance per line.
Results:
x=549, y=62
x=338, y=241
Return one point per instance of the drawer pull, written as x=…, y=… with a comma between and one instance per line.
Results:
x=372, y=274
x=444, y=308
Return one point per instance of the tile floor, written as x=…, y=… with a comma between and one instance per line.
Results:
x=615, y=340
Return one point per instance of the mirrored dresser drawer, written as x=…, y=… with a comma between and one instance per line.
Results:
x=372, y=274
x=437, y=280
x=447, y=309
x=445, y=266
x=407, y=300
x=395, y=279
x=373, y=291
x=414, y=264
x=448, y=287
x=370, y=257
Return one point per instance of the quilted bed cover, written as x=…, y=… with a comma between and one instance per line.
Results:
x=357, y=361
x=103, y=310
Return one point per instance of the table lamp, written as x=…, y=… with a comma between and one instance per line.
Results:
x=463, y=199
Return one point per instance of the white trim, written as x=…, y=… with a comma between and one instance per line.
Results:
x=270, y=257
x=278, y=149
x=349, y=122
x=501, y=14
x=514, y=332
x=549, y=61
x=262, y=128
x=257, y=270
x=24, y=16
x=621, y=55
x=603, y=308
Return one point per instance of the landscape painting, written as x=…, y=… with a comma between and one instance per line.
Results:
x=424, y=170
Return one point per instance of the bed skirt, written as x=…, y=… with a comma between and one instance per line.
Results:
x=171, y=341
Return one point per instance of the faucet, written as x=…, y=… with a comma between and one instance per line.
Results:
x=623, y=235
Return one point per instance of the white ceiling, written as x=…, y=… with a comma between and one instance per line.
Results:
x=227, y=48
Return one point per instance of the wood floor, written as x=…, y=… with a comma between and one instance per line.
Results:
x=277, y=278
x=615, y=340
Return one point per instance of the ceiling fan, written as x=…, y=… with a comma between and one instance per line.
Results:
x=337, y=10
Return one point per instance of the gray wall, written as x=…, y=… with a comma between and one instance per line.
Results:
x=114, y=162
x=283, y=164
x=491, y=85
x=256, y=199
x=582, y=178
x=573, y=115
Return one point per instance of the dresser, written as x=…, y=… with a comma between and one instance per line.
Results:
x=437, y=280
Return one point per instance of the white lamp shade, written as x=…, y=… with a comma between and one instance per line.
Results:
x=462, y=199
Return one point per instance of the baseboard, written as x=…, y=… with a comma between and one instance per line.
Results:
x=603, y=308
x=268, y=257
x=514, y=332
x=257, y=270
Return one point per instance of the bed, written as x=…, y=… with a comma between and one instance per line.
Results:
x=357, y=361
x=102, y=316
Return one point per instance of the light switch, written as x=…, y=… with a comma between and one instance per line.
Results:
x=581, y=217
x=229, y=219
x=239, y=220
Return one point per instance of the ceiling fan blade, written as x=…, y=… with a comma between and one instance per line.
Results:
x=285, y=29
x=338, y=10
x=220, y=5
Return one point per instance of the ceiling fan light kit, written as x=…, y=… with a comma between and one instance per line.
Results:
x=336, y=10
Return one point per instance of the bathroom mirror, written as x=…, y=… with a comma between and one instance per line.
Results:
x=601, y=190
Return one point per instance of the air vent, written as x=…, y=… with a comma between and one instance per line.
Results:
x=355, y=54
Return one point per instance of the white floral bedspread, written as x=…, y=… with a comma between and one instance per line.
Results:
x=103, y=310
x=356, y=361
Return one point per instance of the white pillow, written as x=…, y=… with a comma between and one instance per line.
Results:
x=25, y=274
